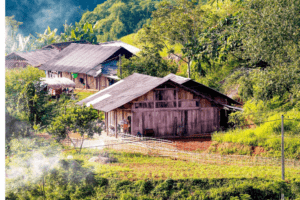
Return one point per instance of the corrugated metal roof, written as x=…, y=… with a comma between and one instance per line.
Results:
x=177, y=79
x=184, y=81
x=81, y=58
x=129, y=47
x=34, y=58
x=233, y=107
x=60, y=46
x=127, y=90
x=123, y=92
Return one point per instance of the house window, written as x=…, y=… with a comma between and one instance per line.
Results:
x=111, y=81
x=81, y=80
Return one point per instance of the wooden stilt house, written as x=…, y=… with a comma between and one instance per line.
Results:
x=89, y=66
x=159, y=107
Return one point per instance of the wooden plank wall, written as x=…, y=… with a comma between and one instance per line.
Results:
x=172, y=123
x=121, y=114
x=103, y=82
x=93, y=82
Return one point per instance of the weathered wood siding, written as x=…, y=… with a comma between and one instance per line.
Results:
x=169, y=112
x=96, y=83
x=177, y=123
x=121, y=114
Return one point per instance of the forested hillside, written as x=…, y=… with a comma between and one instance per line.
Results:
x=115, y=19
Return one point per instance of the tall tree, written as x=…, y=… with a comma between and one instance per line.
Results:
x=14, y=41
x=177, y=23
x=270, y=32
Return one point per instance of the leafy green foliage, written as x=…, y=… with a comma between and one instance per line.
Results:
x=79, y=119
x=15, y=41
x=115, y=19
x=24, y=97
x=269, y=32
x=148, y=62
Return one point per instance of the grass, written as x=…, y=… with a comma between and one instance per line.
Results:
x=82, y=94
x=268, y=135
x=135, y=166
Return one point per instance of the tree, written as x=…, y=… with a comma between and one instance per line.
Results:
x=179, y=23
x=114, y=19
x=24, y=97
x=148, y=62
x=48, y=37
x=79, y=119
x=15, y=41
x=269, y=33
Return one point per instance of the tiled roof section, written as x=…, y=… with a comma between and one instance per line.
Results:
x=82, y=58
x=62, y=45
x=34, y=58
x=123, y=92
x=129, y=47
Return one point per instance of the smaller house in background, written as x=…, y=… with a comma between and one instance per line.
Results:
x=37, y=57
x=33, y=58
x=161, y=107
x=56, y=86
x=89, y=66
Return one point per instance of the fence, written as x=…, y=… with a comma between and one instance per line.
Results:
x=165, y=148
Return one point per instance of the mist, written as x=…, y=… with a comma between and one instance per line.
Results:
x=37, y=15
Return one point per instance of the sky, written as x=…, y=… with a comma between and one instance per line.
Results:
x=37, y=15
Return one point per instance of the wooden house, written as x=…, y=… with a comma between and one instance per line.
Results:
x=38, y=57
x=89, y=66
x=33, y=58
x=212, y=94
x=161, y=107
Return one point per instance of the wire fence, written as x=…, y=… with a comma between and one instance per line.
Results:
x=164, y=148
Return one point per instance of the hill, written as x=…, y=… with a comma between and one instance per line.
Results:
x=115, y=19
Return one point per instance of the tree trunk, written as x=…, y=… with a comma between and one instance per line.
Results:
x=72, y=142
x=189, y=67
x=82, y=139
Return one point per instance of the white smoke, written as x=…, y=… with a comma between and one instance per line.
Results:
x=55, y=14
x=30, y=167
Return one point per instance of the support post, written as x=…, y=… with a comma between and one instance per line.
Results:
x=282, y=153
x=120, y=65
x=116, y=126
x=86, y=81
x=106, y=122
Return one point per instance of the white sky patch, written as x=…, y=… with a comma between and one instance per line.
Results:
x=105, y=89
x=98, y=100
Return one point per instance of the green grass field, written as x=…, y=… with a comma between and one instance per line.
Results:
x=135, y=166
